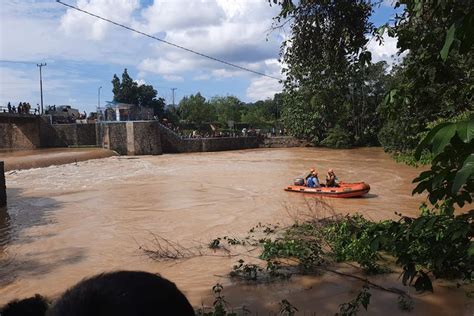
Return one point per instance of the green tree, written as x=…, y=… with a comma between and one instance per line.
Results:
x=228, y=108
x=128, y=91
x=330, y=79
x=195, y=109
x=428, y=84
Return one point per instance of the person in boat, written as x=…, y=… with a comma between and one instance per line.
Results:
x=313, y=180
x=331, y=179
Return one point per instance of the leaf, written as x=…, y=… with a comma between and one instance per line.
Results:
x=463, y=174
x=442, y=138
x=448, y=42
x=470, y=131
x=467, y=30
x=456, y=235
x=470, y=251
x=428, y=139
x=374, y=245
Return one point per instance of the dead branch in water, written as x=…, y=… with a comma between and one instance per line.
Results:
x=163, y=249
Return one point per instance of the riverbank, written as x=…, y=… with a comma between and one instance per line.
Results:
x=66, y=222
x=40, y=158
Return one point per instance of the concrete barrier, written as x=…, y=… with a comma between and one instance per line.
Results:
x=131, y=138
x=3, y=189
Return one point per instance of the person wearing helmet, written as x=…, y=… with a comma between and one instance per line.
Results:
x=313, y=180
x=331, y=179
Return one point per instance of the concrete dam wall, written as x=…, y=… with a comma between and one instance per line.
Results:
x=126, y=138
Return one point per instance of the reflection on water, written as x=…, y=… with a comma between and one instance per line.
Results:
x=71, y=221
x=4, y=228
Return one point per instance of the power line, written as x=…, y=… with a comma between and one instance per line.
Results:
x=17, y=62
x=169, y=43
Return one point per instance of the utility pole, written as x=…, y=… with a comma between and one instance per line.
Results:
x=98, y=103
x=172, y=90
x=41, y=85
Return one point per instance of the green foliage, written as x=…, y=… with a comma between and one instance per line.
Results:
x=451, y=177
x=426, y=87
x=287, y=309
x=245, y=271
x=128, y=91
x=228, y=108
x=408, y=158
x=352, y=308
x=220, y=111
x=436, y=242
x=356, y=239
x=298, y=243
x=460, y=21
x=330, y=79
x=337, y=138
x=263, y=113
x=219, y=305
x=172, y=114
x=195, y=109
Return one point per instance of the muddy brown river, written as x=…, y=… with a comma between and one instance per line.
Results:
x=67, y=222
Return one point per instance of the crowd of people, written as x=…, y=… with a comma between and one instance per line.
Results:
x=22, y=108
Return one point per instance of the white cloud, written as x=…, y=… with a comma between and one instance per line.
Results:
x=387, y=51
x=263, y=87
x=173, y=78
x=165, y=16
x=140, y=82
x=235, y=31
x=75, y=22
x=202, y=77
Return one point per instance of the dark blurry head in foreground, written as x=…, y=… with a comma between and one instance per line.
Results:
x=121, y=293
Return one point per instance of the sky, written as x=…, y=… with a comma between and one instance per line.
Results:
x=83, y=53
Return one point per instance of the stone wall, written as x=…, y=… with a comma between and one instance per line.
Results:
x=72, y=135
x=229, y=143
x=143, y=138
x=131, y=138
x=126, y=138
x=49, y=136
x=19, y=133
x=173, y=143
x=282, y=142
x=3, y=189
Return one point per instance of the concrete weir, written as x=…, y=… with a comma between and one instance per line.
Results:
x=125, y=137
x=131, y=138
x=3, y=189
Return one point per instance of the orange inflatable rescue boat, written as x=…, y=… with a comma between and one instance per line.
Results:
x=344, y=190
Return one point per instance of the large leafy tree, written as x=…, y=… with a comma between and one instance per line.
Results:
x=430, y=83
x=228, y=108
x=195, y=109
x=327, y=68
x=128, y=91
